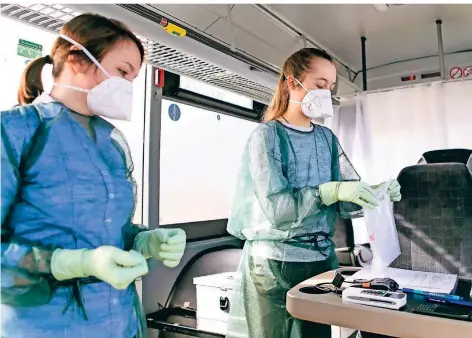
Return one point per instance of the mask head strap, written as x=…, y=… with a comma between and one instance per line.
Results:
x=71, y=87
x=293, y=101
x=90, y=56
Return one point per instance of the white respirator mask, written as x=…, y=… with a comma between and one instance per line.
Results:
x=317, y=103
x=113, y=98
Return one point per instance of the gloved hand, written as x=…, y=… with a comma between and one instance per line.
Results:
x=165, y=245
x=393, y=190
x=354, y=192
x=112, y=265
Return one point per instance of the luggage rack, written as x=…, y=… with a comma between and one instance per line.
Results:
x=158, y=321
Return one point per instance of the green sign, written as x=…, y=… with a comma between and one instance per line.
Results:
x=28, y=49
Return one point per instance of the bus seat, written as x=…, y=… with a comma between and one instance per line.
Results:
x=348, y=253
x=446, y=156
x=434, y=219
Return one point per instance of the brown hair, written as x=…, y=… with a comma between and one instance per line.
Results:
x=295, y=66
x=95, y=32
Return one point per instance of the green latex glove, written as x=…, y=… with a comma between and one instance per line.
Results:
x=165, y=245
x=354, y=192
x=394, y=190
x=114, y=266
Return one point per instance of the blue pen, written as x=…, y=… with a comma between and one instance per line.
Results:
x=439, y=295
x=434, y=299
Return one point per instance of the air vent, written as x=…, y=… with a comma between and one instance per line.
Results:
x=430, y=75
x=53, y=17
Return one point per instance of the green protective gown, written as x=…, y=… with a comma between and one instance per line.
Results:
x=288, y=230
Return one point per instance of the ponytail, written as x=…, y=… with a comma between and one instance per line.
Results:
x=279, y=104
x=31, y=85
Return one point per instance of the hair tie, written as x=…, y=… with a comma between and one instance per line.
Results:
x=48, y=59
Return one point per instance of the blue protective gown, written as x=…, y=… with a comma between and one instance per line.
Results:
x=62, y=189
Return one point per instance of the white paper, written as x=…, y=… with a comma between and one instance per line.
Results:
x=418, y=280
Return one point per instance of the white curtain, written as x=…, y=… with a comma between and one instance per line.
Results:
x=384, y=132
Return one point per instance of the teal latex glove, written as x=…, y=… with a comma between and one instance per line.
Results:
x=394, y=190
x=165, y=245
x=114, y=266
x=354, y=192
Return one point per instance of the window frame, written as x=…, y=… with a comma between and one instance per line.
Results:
x=171, y=91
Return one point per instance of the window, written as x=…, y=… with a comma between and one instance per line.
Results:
x=12, y=66
x=200, y=159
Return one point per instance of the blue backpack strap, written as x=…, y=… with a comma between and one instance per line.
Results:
x=34, y=146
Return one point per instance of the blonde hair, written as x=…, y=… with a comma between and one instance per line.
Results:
x=295, y=66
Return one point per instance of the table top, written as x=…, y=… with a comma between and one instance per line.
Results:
x=330, y=309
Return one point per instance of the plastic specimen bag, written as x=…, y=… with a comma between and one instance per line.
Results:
x=382, y=231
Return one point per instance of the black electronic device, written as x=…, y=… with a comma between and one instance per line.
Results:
x=384, y=284
x=451, y=312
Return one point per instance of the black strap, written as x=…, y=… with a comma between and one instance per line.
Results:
x=76, y=294
x=284, y=144
x=314, y=238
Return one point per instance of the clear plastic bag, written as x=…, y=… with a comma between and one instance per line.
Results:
x=382, y=231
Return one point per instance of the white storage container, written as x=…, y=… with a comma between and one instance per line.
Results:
x=213, y=293
x=211, y=317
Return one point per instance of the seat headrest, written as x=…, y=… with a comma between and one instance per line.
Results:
x=439, y=174
x=446, y=156
x=469, y=163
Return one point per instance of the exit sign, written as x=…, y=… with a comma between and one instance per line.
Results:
x=29, y=49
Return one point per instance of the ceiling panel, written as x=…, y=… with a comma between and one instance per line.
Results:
x=255, y=34
x=259, y=25
x=402, y=32
x=247, y=42
x=220, y=9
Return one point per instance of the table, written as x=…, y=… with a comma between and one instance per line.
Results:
x=329, y=309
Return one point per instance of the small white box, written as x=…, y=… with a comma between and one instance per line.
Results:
x=210, y=289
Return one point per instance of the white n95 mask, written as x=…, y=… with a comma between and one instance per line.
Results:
x=113, y=98
x=317, y=103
